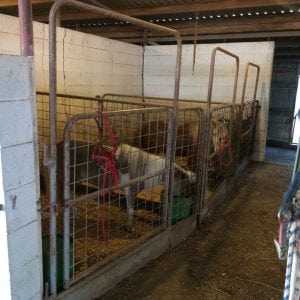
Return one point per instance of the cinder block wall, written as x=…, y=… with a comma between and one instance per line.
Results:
x=87, y=65
x=20, y=259
x=159, y=76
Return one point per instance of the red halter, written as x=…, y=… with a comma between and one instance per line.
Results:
x=105, y=158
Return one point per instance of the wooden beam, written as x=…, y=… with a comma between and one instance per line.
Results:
x=208, y=6
x=201, y=7
x=204, y=38
x=209, y=27
x=6, y=3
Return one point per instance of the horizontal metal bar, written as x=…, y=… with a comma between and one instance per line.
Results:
x=159, y=98
x=106, y=190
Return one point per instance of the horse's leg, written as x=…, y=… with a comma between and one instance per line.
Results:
x=130, y=199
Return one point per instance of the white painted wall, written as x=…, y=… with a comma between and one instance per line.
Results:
x=87, y=64
x=159, y=76
x=20, y=254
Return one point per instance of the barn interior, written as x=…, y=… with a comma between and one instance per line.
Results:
x=191, y=105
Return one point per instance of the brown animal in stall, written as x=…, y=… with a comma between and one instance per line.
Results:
x=152, y=137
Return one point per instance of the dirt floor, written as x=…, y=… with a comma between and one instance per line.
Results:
x=232, y=256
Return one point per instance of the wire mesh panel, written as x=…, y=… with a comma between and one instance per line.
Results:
x=247, y=128
x=189, y=155
x=223, y=145
x=111, y=213
x=67, y=105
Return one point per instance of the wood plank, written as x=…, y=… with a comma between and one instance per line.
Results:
x=217, y=27
x=6, y=3
x=208, y=7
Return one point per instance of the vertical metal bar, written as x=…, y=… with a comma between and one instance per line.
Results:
x=26, y=31
x=241, y=113
x=66, y=242
x=175, y=120
x=53, y=150
x=246, y=79
x=199, y=166
x=167, y=205
x=208, y=106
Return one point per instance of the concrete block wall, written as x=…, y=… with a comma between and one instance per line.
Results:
x=159, y=73
x=20, y=259
x=87, y=65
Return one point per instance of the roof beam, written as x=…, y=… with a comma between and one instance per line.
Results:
x=201, y=7
x=224, y=37
x=208, y=6
x=6, y=3
x=209, y=27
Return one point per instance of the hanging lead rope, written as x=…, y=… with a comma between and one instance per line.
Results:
x=225, y=147
x=105, y=157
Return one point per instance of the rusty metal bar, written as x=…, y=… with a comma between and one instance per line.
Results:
x=26, y=31
x=105, y=96
x=248, y=65
x=241, y=112
x=208, y=106
x=212, y=70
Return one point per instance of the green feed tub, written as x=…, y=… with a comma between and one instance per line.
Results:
x=59, y=259
x=182, y=208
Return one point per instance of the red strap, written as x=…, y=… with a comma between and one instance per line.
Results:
x=225, y=145
x=106, y=159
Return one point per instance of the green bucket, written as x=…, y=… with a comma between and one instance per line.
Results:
x=181, y=208
x=59, y=260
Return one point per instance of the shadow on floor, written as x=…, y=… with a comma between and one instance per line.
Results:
x=280, y=156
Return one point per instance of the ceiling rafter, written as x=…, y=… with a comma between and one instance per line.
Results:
x=201, y=7
x=7, y=3
x=255, y=24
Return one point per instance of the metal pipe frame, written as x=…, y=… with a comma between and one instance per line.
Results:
x=208, y=106
x=26, y=31
x=257, y=67
x=52, y=163
x=241, y=112
x=67, y=203
x=106, y=96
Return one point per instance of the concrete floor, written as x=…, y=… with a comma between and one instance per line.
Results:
x=280, y=156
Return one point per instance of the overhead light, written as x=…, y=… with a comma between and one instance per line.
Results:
x=211, y=16
x=204, y=17
x=265, y=12
x=241, y=14
x=257, y=13
x=218, y=16
x=234, y=15
x=249, y=14
x=226, y=16
x=282, y=11
x=291, y=11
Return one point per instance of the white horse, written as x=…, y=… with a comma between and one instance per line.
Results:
x=132, y=163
